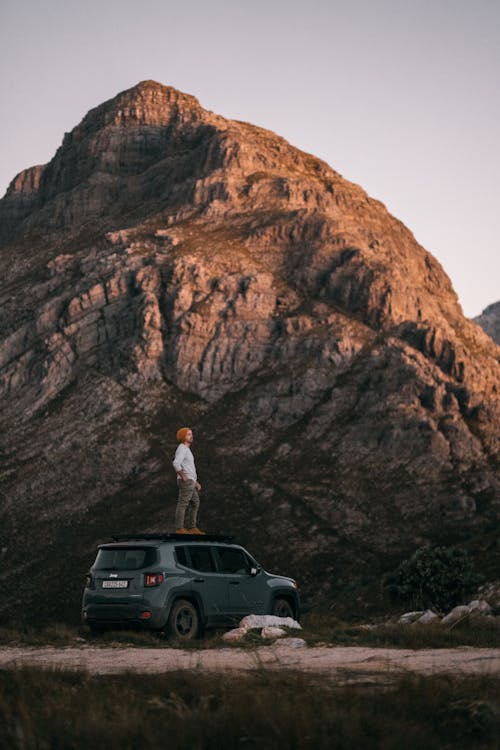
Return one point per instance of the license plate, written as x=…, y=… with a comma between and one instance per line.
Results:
x=115, y=584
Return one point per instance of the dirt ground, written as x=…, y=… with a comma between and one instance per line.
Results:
x=346, y=663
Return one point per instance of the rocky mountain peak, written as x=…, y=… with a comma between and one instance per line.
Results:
x=147, y=103
x=101, y=168
x=168, y=267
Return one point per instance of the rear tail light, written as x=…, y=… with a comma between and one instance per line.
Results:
x=88, y=581
x=153, y=579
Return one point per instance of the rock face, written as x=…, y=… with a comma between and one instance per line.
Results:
x=489, y=320
x=171, y=267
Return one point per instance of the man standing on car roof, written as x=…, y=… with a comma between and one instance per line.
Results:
x=188, y=501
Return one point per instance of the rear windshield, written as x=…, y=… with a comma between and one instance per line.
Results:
x=125, y=558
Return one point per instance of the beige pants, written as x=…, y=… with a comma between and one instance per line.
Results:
x=188, y=502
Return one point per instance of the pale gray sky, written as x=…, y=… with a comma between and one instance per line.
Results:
x=400, y=96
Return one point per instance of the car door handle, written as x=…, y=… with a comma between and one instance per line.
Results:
x=234, y=583
x=199, y=580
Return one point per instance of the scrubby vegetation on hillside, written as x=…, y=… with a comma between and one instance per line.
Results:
x=435, y=577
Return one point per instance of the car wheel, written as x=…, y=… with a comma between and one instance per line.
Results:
x=184, y=621
x=283, y=608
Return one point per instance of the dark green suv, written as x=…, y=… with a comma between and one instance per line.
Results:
x=181, y=584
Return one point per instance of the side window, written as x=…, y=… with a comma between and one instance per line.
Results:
x=180, y=553
x=201, y=559
x=233, y=560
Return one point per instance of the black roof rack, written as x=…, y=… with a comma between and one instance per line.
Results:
x=160, y=536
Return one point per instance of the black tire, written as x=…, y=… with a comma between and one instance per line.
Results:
x=283, y=608
x=184, y=621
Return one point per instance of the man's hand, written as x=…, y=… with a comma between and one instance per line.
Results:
x=198, y=486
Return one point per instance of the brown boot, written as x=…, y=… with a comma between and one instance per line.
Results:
x=196, y=531
x=183, y=531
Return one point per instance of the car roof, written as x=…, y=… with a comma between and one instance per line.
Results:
x=171, y=536
x=155, y=540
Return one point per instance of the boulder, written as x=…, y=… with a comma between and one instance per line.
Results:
x=456, y=614
x=476, y=607
x=427, y=618
x=255, y=622
x=410, y=617
x=480, y=607
x=491, y=592
x=273, y=632
x=237, y=634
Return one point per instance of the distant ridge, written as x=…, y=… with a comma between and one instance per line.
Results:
x=489, y=320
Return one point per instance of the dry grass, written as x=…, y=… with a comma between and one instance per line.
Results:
x=317, y=629
x=476, y=631
x=43, y=709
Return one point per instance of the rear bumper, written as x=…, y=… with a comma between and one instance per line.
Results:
x=140, y=614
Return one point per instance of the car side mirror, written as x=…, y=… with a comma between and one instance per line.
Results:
x=254, y=571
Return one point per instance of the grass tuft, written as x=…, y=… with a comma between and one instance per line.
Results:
x=261, y=710
x=478, y=632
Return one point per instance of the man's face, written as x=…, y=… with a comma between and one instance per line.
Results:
x=189, y=437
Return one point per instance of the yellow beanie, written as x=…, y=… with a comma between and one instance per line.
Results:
x=181, y=434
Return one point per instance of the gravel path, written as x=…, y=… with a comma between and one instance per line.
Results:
x=353, y=663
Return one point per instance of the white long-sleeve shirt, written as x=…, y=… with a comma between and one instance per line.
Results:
x=184, y=460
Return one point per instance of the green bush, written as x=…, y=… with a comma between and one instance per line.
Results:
x=434, y=577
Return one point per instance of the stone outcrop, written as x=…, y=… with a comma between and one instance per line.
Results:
x=268, y=627
x=169, y=266
x=476, y=608
x=489, y=320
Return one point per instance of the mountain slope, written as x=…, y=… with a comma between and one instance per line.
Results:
x=489, y=320
x=171, y=267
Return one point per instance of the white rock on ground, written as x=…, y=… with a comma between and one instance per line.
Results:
x=252, y=622
x=273, y=632
x=491, y=592
x=235, y=635
x=410, y=617
x=456, y=614
x=427, y=618
x=271, y=626
x=479, y=606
